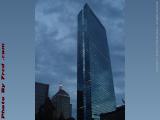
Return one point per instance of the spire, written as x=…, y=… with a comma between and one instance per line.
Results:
x=86, y=5
x=60, y=86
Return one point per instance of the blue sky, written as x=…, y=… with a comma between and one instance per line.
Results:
x=56, y=37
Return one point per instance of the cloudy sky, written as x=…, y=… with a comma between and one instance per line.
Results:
x=56, y=40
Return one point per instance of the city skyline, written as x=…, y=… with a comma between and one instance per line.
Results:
x=56, y=42
x=54, y=107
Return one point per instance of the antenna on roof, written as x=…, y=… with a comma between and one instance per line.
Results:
x=60, y=85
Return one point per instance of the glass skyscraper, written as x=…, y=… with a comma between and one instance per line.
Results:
x=95, y=89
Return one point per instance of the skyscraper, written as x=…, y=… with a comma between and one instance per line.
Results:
x=95, y=89
x=41, y=93
x=61, y=100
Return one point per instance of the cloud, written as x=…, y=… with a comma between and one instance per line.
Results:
x=56, y=39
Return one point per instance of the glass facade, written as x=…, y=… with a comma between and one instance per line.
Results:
x=95, y=89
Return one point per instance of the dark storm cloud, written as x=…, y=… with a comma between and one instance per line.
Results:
x=55, y=44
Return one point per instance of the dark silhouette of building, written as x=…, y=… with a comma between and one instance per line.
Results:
x=47, y=111
x=61, y=117
x=59, y=108
x=41, y=93
x=61, y=100
x=95, y=89
x=71, y=118
x=118, y=114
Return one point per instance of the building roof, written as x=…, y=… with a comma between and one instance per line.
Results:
x=61, y=92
